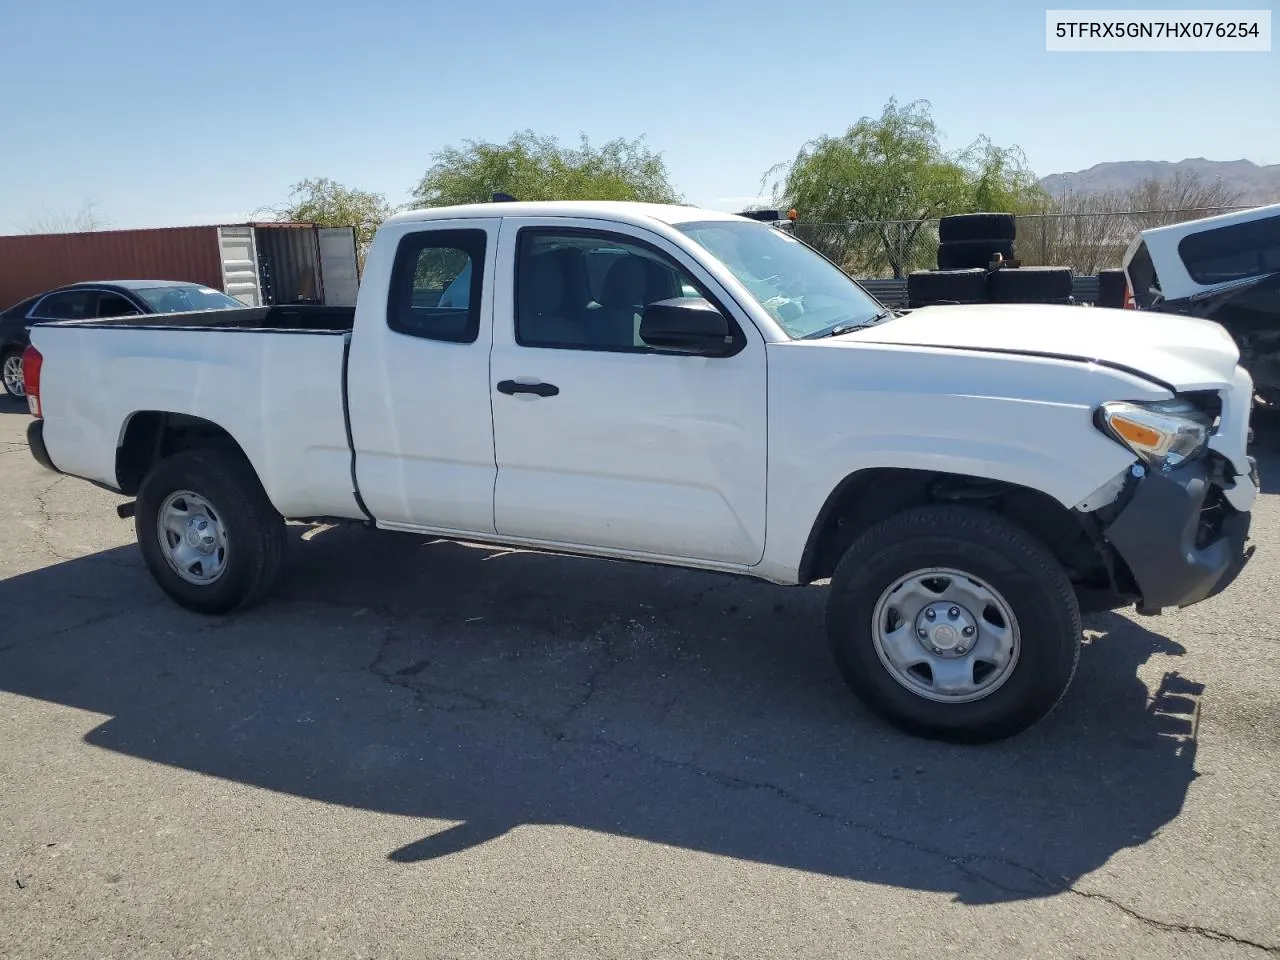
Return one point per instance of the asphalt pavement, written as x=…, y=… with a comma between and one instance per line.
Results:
x=424, y=749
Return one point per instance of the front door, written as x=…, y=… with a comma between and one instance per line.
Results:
x=600, y=440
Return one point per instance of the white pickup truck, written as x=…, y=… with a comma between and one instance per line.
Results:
x=680, y=386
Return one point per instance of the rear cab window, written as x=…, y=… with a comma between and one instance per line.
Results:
x=436, y=285
x=1235, y=252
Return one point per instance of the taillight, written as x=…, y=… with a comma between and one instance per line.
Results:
x=31, y=363
x=1128, y=297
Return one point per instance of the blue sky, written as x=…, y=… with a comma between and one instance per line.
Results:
x=175, y=112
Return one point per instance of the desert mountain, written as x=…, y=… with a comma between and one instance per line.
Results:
x=1255, y=184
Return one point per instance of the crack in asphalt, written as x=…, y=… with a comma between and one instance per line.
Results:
x=612, y=659
x=420, y=688
x=131, y=607
x=47, y=520
x=592, y=684
x=695, y=600
x=1192, y=928
x=967, y=864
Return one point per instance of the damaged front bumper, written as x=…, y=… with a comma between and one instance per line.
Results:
x=1179, y=535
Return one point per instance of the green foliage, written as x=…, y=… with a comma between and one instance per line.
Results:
x=330, y=204
x=438, y=267
x=888, y=177
x=999, y=180
x=532, y=167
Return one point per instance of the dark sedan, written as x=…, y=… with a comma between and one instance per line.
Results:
x=105, y=298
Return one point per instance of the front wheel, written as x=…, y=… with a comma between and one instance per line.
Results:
x=207, y=531
x=11, y=370
x=954, y=624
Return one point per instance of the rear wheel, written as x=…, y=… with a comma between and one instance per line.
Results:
x=11, y=370
x=954, y=624
x=209, y=535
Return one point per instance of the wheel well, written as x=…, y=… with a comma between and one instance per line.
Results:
x=152, y=435
x=868, y=496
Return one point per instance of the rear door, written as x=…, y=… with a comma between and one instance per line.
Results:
x=339, y=276
x=418, y=379
x=619, y=447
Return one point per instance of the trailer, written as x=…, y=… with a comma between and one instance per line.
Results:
x=259, y=264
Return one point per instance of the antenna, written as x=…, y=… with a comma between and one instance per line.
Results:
x=504, y=198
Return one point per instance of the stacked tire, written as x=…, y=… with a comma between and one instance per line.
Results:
x=1113, y=286
x=969, y=244
x=975, y=240
x=927, y=288
x=1030, y=285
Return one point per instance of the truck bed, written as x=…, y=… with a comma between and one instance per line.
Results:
x=280, y=393
x=297, y=317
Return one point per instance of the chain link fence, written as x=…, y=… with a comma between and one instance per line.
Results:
x=1085, y=242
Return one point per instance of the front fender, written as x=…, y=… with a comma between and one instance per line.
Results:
x=1053, y=449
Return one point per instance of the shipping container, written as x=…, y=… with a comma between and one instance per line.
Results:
x=257, y=263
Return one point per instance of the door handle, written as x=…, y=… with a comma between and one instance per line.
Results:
x=511, y=388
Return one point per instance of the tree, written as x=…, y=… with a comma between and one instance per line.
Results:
x=85, y=221
x=1184, y=196
x=1089, y=231
x=533, y=167
x=887, y=178
x=329, y=204
x=1084, y=231
x=998, y=179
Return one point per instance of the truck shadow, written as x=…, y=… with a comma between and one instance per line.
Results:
x=487, y=690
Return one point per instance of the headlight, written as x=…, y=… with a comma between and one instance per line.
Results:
x=1163, y=434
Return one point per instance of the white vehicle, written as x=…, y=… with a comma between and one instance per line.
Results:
x=1226, y=269
x=679, y=386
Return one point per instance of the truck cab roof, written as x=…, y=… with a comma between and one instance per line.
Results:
x=621, y=210
x=1180, y=260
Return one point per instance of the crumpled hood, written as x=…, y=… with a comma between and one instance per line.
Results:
x=1184, y=352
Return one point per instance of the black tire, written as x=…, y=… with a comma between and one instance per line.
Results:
x=928, y=287
x=1112, y=285
x=982, y=545
x=978, y=226
x=962, y=254
x=5, y=358
x=1031, y=285
x=255, y=532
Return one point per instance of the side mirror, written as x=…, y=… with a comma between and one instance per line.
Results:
x=687, y=325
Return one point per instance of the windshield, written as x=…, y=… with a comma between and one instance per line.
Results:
x=803, y=291
x=184, y=299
